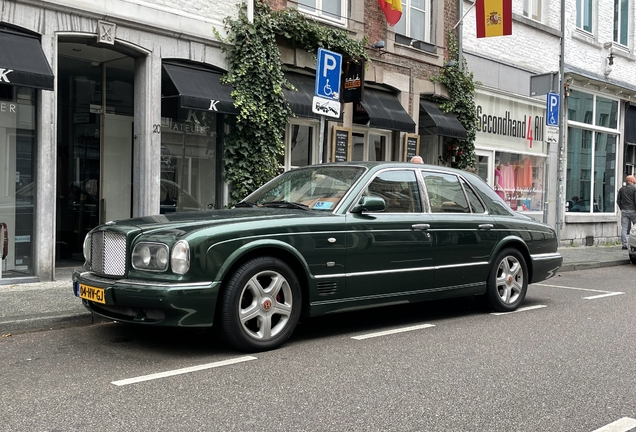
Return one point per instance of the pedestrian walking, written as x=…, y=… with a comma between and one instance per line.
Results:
x=626, y=201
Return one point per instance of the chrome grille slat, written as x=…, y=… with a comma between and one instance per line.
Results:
x=108, y=253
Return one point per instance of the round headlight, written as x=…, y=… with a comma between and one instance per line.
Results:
x=180, y=257
x=144, y=254
x=87, y=247
x=162, y=257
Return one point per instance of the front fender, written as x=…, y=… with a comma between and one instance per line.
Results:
x=250, y=247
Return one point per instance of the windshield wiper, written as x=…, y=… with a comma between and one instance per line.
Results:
x=285, y=204
x=245, y=204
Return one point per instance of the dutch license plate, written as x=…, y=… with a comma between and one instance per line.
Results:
x=92, y=293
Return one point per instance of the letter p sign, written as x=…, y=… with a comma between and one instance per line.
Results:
x=328, y=68
x=552, y=110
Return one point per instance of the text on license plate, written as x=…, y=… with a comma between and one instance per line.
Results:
x=92, y=293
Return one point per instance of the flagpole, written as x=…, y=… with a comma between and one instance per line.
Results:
x=464, y=16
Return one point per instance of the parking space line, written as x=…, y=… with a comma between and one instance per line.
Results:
x=609, y=294
x=622, y=425
x=182, y=371
x=388, y=332
x=523, y=309
x=605, y=292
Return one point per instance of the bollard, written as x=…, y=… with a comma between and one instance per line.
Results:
x=4, y=237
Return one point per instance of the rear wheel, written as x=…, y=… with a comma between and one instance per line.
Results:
x=507, y=281
x=260, y=305
x=632, y=258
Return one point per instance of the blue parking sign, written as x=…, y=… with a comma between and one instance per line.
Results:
x=328, y=69
x=552, y=109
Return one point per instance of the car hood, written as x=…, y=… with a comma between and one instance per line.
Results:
x=190, y=221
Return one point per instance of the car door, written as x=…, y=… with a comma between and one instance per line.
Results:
x=389, y=253
x=464, y=234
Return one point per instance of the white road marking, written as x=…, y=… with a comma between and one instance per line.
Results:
x=622, y=425
x=603, y=295
x=182, y=371
x=523, y=309
x=388, y=332
x=605, y=292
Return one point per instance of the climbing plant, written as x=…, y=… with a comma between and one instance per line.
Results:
x=255, y=145
x=461, y=89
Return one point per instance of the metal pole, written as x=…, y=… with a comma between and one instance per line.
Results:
x=460, y=54
x=559, y=209
x=321, y=137
x=250, y=11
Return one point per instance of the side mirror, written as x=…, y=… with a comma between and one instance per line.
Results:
x=369, y=203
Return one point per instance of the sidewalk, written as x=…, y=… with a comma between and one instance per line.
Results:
x=47, y=305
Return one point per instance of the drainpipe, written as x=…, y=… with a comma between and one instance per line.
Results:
x=559, y=209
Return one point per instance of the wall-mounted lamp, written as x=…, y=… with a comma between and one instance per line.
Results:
x=451, y=63
x=610, y=59
x=378, y=45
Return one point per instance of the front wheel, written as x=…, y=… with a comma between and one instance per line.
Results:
x=260, y=305
x=507, y=281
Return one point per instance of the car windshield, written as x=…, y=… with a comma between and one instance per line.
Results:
x=315, y=188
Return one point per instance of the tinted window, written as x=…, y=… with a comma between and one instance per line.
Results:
x=445, y=193
x=398, y=189
x=475, y=205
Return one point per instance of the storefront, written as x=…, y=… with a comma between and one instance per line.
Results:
x=21, y=79
x=510, y=149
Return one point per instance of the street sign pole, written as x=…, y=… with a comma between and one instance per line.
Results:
x=321, y=138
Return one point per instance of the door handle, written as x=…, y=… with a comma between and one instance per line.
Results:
x=420, y=226
x=486, y=226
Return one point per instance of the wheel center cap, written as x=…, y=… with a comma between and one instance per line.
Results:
x=509, y=279
x=267, y=305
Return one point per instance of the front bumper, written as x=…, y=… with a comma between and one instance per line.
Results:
x=155, y=303
x=545, y=266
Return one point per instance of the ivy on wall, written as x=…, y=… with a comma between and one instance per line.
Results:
x=255, y=145
x=461, y=89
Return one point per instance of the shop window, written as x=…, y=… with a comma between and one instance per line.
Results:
x=331, y=10
x=375, y=146
x=299, y=145
x=18, y=176
x=188, y=161
x=416, y=20
x=519, y=180
x=580, y=107
x=606, y=112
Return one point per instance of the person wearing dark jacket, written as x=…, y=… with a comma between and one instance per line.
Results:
x=626, y=201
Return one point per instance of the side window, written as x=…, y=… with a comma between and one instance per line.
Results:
x=445, y=193
x=475, y=205
x=398, y=189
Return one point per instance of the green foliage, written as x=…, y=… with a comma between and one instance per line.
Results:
x=255, y=145
x=461, y=88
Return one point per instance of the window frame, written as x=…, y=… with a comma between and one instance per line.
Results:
x=619, y=31
x=528, y=9
x=581, y=6
x=318, y=13
x=428, y=19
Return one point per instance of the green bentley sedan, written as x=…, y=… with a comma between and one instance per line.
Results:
x=317, y=240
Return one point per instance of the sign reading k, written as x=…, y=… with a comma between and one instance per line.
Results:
x=3, y=75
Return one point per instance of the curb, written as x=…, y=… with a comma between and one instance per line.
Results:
x=590, y=265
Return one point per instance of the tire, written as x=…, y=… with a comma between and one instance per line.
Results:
x=632, y=258
x=260, y=305
x=507, y=281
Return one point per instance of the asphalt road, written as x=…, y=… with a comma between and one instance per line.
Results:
x=564, y=362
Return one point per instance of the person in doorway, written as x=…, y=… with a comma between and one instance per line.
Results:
x=626, y=201
x=417, y=159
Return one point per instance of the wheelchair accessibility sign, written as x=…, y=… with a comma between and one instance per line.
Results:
x=328, y=69
x=552, y=110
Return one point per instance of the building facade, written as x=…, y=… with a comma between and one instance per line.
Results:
x=115, y=109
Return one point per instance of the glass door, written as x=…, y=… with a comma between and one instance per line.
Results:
x=94, y=164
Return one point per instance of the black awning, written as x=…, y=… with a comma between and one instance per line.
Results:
x=386, y=112
x=198, y=89
x=442, y=123
x=300, y=101
x=22, y=62
x=630, y=125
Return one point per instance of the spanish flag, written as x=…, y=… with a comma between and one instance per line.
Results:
x=392, y=10
x=494, y=18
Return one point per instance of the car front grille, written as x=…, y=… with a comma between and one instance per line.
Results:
x=108, y=253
